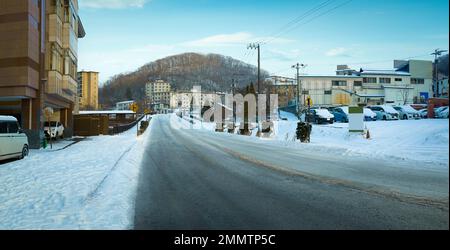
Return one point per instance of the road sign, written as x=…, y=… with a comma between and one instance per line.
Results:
x=134, y=107
x=309, y=101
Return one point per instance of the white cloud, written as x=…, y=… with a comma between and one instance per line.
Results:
x=112, y=4
x=337, y=52
x=221, y=40
x=239, y=38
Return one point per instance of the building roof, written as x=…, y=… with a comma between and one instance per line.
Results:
x=125, y=102
x=330, y=76
x=106, y=112
x=371, y=95
x=384, y=72
x=8, y=118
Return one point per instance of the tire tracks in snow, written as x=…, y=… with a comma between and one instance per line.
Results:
x=442, y=204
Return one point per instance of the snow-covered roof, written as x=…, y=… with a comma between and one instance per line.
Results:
x=106, y=112
x=7, y=118
x=371, y=95
x=384, y=72
x=330, y=76
x=125, y=102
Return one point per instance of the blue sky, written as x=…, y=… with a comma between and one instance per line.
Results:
x=122, y=35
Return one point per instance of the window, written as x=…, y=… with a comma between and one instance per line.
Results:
x=385, y=80
x=417, y=81
x=327, y=92
x=369, y=80
x=357, y=84
x=339, y=83
x=398, y=79
x=3, y=127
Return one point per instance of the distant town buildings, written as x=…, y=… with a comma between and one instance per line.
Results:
x=38, y=63
x=158, y=95
x=407, y=83
x=126, y=105
x=88, y=90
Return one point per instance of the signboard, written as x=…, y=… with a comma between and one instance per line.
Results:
x=134, y=107
x=356, y=119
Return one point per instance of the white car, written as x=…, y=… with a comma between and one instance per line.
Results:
x=407, y=112
x=13, y=142
x=54, y=129
x=385, y=112
x=441, y=112
x=369, y=115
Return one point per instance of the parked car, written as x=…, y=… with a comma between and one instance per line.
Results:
x=318, y=116
x=54, y=129
x=407, y=112
x=369, y=115
x=13, y=142
x=340, y=114
x=385, y=112
x=441, y=112
x=423, y=113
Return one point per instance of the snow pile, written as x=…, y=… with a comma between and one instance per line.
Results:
x=89, y=185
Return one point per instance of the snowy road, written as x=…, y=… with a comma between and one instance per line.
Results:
x=195, y=179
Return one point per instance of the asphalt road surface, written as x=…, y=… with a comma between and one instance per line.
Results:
x=193, y=179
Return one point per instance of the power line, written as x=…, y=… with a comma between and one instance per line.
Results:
x=312, y=19
x=298, y=19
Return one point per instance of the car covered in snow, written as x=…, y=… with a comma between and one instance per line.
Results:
x=369, y=115
x=385, y=112
x=340, y=114
x=318, y=115
x=13, y=141
x=54, y=129
x=441, y=112
x=407, y=112
x=423, y=113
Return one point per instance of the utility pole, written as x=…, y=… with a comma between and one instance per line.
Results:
x=258, y=47
x=437, y=53
x=298, y=66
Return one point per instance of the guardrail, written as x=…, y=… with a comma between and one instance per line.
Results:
x=122, y=128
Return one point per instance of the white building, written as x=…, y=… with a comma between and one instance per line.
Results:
x=409, y=82
x=124, y=105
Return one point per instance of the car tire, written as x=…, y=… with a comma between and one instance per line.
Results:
x=24, y=152
x=384, y=118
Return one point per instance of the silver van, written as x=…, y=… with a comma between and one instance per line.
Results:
x=13, y=142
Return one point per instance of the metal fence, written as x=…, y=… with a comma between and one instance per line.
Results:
x=117, y=129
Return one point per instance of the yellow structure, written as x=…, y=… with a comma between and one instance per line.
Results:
x=88, y=90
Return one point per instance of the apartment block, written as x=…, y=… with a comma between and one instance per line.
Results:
x=158, y=95
x=88, y=90
x=38, y=62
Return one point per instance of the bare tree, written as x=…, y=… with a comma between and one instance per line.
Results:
x=405, y=95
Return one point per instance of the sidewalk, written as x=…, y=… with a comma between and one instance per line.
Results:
x=88, y=185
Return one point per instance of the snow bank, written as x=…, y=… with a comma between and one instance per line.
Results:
x=425, y=141
x=90, y=185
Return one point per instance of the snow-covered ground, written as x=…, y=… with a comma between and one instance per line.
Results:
x=425, y=141
x=89, y=185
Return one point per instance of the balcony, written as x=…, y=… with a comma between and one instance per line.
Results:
x=54, y=83
x=61, y=86
x=69, y=88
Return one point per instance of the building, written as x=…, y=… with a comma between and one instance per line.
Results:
x=38, y=62
x=88, y=90
x=126, y=105
x=158, y=94
x=286, y=88
x=407, y=83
